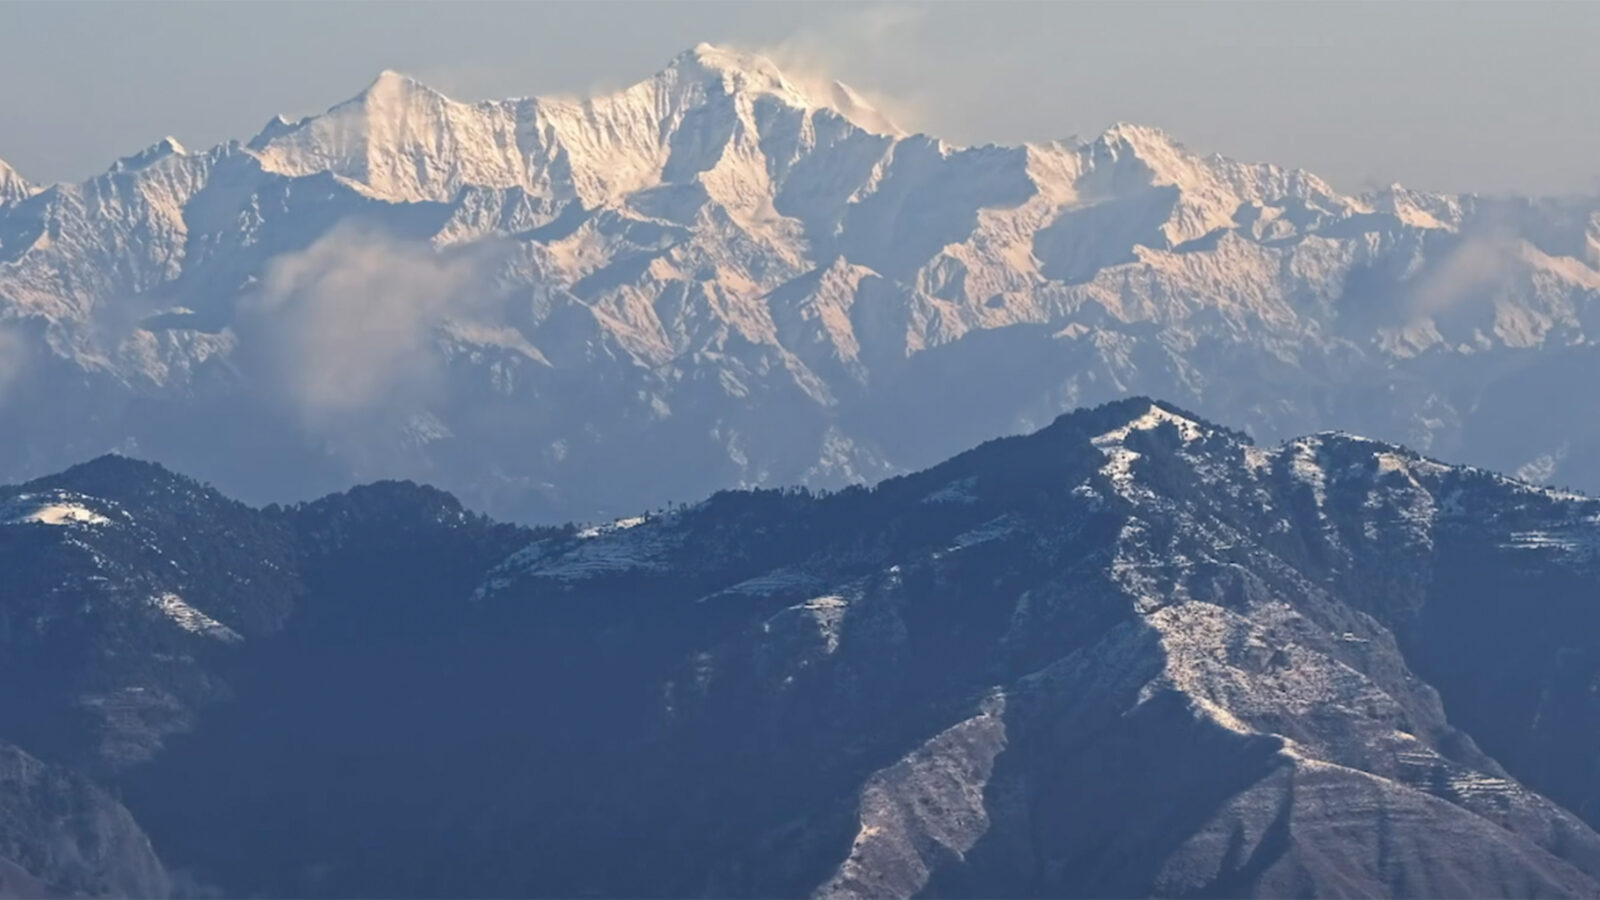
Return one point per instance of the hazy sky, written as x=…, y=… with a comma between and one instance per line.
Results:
x=1478, y=96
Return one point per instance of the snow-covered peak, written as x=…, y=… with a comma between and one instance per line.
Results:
x=1120, y=458
x=734, y=69
x=1144, y=140
x=167, y=146
x=276, y=126
x=720, y=231
x=728, y=71
x=1212, y=191
x=13, y=186
x=405, y=141
x=1153, y=417
x=1125, y=145
x=1417, y=209
x=1169, y=161
x=401, y=139
x=391, y=91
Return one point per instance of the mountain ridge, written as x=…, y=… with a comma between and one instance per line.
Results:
x=1132, y=629
x=13, y=187
x=718, y=263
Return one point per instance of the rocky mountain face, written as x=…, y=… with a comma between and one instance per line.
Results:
x=1133, y=653
x=131, y=597
x=760, y=283
x=61, y=836
x=13, y=187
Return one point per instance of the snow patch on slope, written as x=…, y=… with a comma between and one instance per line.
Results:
x=958, y=491
x=1120, y=459
x=927, y=805
x=59, y=508
x=776, y=582
x=193, y=620
x=995, y=529
x=1305, y=466
x=828, y=612
x=594, y=531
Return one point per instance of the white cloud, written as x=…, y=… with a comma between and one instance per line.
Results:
x=346, y=326
x=1476, y=268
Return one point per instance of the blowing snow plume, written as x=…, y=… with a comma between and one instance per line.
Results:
x=812, y=57
x=346, y=325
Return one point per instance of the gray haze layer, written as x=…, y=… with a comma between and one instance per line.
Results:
x=1475, y=97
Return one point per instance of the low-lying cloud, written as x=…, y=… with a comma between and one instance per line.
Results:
x=1479, y=266
x=346, y=326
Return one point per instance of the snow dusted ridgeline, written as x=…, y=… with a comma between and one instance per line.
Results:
x=1294, y=621
x=597, y=151
x=1119, y=458
x=593, y=551
x=1327, y=666
x=762, y=281
x=132, y=580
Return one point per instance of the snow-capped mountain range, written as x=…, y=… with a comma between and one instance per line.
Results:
x=717, y=277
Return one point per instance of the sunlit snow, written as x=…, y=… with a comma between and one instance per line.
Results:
x=193, y=620
x=56, y=509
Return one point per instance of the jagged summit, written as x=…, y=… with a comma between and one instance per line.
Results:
x=406, y=141
x=393, y=77
x=1128, y=409
x=13, y=186
x=734, y=71
x=1128, y=414
x=780, y=286
x=275, y=126
x=1136, y=135
x=740, y=70
x=167, y=146
x=391, y=85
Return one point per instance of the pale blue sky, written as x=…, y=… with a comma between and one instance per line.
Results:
x=1482, y=96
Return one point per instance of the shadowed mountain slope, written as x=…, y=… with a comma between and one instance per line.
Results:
x=1133, y=653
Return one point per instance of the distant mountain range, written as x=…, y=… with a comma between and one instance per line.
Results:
x=716, y=278
x=1131, y=654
